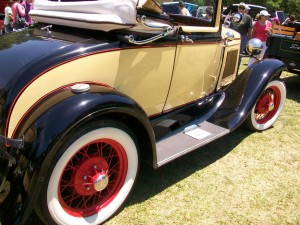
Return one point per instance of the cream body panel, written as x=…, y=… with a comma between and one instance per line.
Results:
x=197, y=67
x=195, y=73
x=145, y=74
x=138, y=73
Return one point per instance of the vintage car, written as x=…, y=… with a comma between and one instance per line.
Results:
x=284, y=44
x=97, y=88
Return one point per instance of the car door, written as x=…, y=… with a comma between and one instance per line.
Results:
x=197, y=59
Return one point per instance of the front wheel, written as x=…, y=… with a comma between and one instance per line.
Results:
x=91, y=177
x=268, y=106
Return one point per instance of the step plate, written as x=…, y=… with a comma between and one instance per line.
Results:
x=183, y=142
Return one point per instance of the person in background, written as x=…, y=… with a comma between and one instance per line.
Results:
x=289, y=21
x=247, y=9
x=17, y=7
x=275, y=21
x=261, y=30
x=244, y=27
x=8, y=18
x=209, y=13
x=27, y=4
x=183, y=10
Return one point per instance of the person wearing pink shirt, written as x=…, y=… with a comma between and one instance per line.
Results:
x=261, y=30
x=17, y=7
x=27, y=4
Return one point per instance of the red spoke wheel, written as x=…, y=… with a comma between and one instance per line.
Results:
x=268, y=106
x=92, y=178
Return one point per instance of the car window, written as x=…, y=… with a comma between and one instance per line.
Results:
x=281, y=16
x=191, y=12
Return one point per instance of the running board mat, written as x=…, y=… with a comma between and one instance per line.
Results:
x=188, y=140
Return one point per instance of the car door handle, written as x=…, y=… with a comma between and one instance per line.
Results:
x=167, y=30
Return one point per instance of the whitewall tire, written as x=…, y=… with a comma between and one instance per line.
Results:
x=268, y=107
x=92, y=178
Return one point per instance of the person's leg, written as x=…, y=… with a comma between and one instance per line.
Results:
x=8, y=28
x=242, y=48
x=252, y=60
x=260, y=57
x=243, y=43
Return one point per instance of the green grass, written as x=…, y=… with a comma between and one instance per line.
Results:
x=242, y=178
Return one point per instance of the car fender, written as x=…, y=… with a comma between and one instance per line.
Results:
x=242, y=94
x=62, y=118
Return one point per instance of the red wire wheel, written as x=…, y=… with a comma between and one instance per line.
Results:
x=268, y=106
x=92, y=177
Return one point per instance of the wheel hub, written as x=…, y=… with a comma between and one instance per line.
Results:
x=271, y=106
x=100, y=181
x=266, y=104
x=91, y=176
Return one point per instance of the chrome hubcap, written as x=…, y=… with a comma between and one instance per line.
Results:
x=100, y=182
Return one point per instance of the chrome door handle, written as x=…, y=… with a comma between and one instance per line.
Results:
x=167, y=30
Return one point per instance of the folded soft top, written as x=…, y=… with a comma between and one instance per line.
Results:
x=103, y=15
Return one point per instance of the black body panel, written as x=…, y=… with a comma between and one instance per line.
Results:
x=243, y=93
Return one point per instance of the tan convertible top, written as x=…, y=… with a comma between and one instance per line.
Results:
x=103, y=15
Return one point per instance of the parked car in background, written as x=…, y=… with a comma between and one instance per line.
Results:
x=284, y=44
x=172, y=7
x=280, y=15
x=92, y=93
x=201, y=11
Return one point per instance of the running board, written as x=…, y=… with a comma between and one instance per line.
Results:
x=186, y=141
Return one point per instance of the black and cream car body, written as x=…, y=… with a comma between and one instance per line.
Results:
x=84, y=102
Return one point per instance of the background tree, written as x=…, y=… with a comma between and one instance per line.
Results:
x=292, y=7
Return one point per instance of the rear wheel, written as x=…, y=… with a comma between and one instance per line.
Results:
x=268, y=106
x=92, y=176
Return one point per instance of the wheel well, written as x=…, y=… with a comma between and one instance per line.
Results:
x=138, y=129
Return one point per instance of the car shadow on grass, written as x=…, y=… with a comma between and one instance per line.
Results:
x=293, y=87
x=150, y=182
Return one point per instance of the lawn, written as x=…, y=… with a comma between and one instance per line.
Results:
x=242, y=178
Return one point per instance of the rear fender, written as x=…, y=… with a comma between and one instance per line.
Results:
x=43, y=133
x=243, y=93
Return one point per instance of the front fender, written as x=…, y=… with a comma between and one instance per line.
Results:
x=242, y=94
x=43, y=131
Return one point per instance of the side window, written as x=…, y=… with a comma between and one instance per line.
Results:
x=191, y=12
